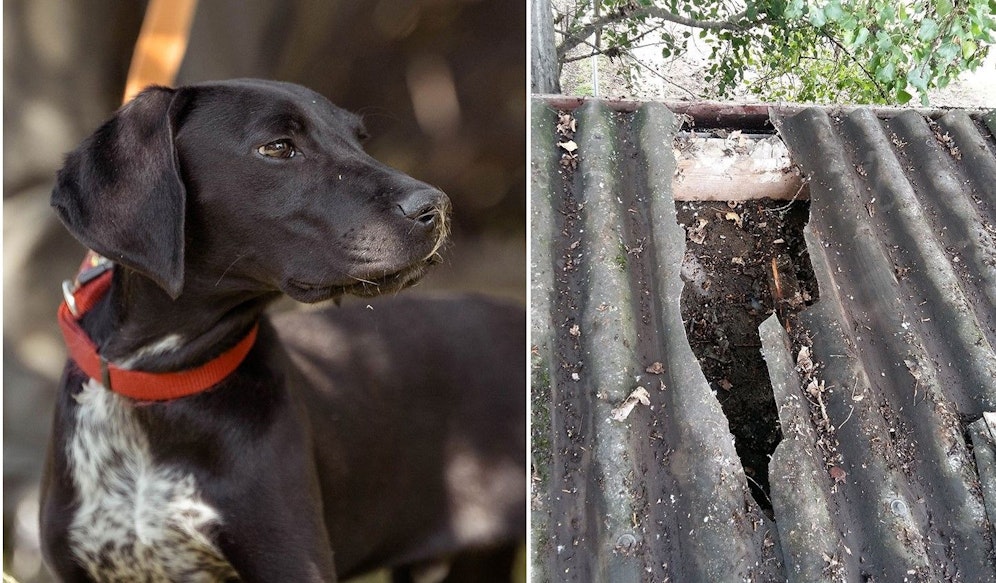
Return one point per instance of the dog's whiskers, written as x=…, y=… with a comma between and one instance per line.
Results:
x=230, y=265
x=435, y=249
x=361, y=280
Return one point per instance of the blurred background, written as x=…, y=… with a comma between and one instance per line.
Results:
x=439, y=83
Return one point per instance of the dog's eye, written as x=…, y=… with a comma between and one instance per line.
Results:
x=278, y=149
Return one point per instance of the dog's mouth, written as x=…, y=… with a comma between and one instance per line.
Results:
x=310, y=293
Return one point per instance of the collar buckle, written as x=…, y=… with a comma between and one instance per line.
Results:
x=68, y=289
x=93, y=267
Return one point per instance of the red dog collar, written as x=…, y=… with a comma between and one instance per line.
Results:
x=93, y=282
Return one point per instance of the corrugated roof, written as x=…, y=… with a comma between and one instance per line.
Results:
x=877, y=475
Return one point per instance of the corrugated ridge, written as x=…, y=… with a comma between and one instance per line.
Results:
x=572, y=504
x=544, y=189
x=903, y=351
x=800, y=496
x=607, y=333
x=660, y=495
x=977, y=151
x=903, y=226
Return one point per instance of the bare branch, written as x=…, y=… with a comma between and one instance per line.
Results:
x=663, y=77
x=627, y=54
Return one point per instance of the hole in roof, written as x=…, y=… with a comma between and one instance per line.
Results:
x=745, y=259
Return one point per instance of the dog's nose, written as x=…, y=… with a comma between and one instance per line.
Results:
x=424, y=206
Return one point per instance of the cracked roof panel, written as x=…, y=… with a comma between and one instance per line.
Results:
x=885, y=432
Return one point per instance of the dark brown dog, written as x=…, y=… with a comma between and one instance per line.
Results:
x=345, y=440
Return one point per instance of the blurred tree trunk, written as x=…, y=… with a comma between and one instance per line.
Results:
x=544, y=64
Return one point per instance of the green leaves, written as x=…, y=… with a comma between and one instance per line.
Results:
x=794, y=10
x=834, y=12
x=916, y=78
x=858, y=38
x=928, y=30
x=859, y=51
x=817, y=17
x=887, y=73
x=968, y=49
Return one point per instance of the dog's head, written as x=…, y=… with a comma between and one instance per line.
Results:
x=253, y=186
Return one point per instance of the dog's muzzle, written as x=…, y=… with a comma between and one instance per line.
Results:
x=427, y=211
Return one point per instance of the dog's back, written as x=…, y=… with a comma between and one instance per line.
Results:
x=394, y=383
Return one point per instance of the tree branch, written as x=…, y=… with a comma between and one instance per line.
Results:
x=624, y=12
x=595, y=51
x=582, y=57
x=610, y=52
x=867, y=73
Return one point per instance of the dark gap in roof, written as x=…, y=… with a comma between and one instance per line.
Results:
x=730, y=288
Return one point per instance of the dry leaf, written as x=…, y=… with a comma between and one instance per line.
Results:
x=566, y=124
x=735, y=217
x=914, y=369
x=804, y=361
x=569, y=145
x=725, y=384
x=569, y=161
x=639, y=395
x=697, y=233
x=575, y=331
x=656, y=368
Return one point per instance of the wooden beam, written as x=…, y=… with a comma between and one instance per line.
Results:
x=161, y=45
x=738, y=167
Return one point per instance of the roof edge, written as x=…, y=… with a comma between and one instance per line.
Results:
x=709, y=114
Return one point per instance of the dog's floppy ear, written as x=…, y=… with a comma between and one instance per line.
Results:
x=121, y=194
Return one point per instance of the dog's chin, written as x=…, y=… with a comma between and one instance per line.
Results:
x=311, y=293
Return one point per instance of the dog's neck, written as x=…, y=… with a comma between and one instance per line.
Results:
x=139, y=327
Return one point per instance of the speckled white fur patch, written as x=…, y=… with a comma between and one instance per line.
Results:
x=137, y=521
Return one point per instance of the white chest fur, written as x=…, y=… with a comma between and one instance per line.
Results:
x=136, y=520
